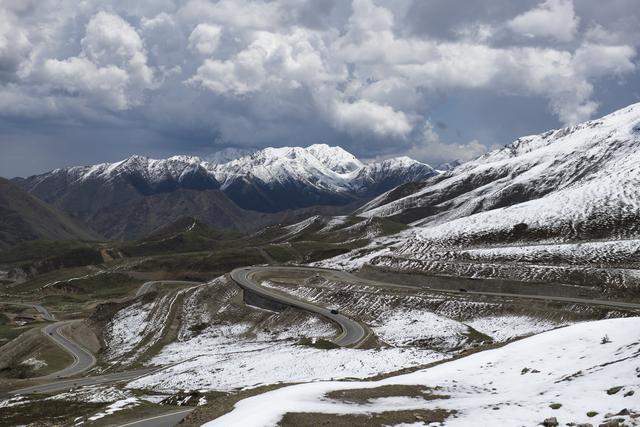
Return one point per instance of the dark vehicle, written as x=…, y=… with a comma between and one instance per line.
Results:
x=462, y=290
x=334, y=311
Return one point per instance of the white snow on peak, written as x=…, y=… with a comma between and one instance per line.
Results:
x=319, y=166
x=335, y=158
x=227, y=154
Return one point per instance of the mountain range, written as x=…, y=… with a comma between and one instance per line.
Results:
x=132, y=197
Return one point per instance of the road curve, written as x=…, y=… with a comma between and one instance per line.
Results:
x=46, y=315
x=83, y=359
x=353, y=333
x=170, y=419
x=146, y=286
x=62, y=385
x=346, y=276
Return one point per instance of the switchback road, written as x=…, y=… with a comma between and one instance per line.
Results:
x=39, y=308
x=353, y=333
x=83, y=359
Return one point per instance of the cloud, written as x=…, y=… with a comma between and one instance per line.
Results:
x=430, y=147
x=363, y=116
x=111, y=68
x=80, y=76
x=249, y=72
x=204, y=39
x=553, y=18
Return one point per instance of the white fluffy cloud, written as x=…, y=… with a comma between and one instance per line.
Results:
x=270, y=68
x=111, y=68
x=553, y=18
x=363, y=116
x=204, y=39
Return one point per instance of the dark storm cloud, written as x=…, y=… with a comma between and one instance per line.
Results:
x=437, y=80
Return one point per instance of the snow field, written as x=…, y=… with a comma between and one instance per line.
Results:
x=511, y=385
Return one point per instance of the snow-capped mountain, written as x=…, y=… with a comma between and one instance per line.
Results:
x=382, y=176
x=574, y=183
x=227, y=154
x=274, y=179
x=269, y=180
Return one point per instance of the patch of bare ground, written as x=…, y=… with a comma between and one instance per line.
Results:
x=309, y=419
x=47, y=413
x=365, y=395
x=218, y=405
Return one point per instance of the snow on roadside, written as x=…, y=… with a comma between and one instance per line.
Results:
x=250, y=365
x=126, y=329
x=511, y=385
x=34, y=363
x=505, y=328
x=403, y=328
x=94, y=394
x=115, y=407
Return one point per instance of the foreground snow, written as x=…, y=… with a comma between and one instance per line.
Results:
x=211, y=365
x=512, y=385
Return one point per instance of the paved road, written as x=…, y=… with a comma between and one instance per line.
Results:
x=353, y=333
x=146, y=286
x=83, y=359
x=348, y=277
x=40, y=309
x=62, y=385
x=166, y=420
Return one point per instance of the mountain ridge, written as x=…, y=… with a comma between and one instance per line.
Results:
x=267, y=181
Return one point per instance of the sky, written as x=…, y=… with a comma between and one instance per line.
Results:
x=89, y=81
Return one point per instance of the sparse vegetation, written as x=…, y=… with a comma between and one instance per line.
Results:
x=320, y=343
x=55, y=412
x=423, y=416
x=614, y=390
x=365, y=395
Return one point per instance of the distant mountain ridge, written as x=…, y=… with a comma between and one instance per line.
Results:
x=269, y=181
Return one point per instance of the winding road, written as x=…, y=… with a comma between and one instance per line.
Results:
x=353, y=333
x=83, y=359
x=37, y=307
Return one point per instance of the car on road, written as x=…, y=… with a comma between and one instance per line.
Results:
x=462, y=290
x=334, y=311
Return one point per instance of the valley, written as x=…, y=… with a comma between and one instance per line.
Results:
x=503, y=290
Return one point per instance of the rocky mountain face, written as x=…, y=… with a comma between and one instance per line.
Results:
x=132, y=197
x=24, y=217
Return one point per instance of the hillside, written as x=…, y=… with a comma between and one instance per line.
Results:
x=560, y=208
x=575, y=183
x=25, y=218
x=566, y=376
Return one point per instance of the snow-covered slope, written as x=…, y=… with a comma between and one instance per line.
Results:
x=227, y=154
x=573, y=183
x=567, y=374
x=382, y=176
